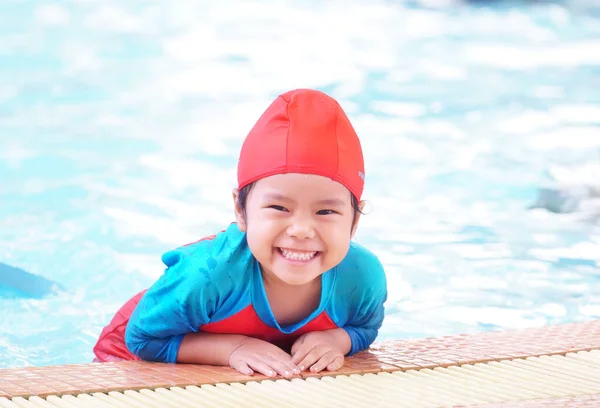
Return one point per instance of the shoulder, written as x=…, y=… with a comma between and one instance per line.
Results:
x=361, y=267
x=215, y=257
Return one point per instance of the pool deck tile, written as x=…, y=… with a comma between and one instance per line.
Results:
x=397, y=355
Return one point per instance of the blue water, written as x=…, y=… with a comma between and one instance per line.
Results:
x=120, y=123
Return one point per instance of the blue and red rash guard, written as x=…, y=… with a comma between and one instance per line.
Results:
x=215, y=286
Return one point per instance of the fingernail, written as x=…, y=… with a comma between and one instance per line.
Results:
x=300, y=368
x=286, y=373
x=271, y=373
x=297, y=370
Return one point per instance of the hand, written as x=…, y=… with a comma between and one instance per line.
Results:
x=261, y=356
x=321, y=349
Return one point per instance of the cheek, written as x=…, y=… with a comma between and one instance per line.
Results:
x=257, y=248
x=264, y=227
x=259, y=239
x=338, y=241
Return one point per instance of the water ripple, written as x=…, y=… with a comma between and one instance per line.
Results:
x=121, y=122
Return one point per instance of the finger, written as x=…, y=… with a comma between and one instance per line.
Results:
x=300, y=353
x=243, y=368
x=283, y=367
x=336, y=364
x=297, y=344
x=311, y=357
x=324, y=361
x=261, y=366
x=280, y=357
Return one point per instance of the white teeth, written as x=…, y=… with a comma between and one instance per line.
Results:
x=297, y=256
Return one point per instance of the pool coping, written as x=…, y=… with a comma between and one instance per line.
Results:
x=388, y=356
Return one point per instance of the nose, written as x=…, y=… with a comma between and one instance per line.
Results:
x=301, y=227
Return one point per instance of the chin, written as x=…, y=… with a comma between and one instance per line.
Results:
x=297, y=281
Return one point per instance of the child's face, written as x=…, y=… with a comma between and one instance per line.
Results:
x=298, y=226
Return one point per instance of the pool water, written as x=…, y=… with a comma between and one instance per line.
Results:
x=10, y=292
x=121, y=121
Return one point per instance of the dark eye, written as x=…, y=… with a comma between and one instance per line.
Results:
x=278, y=207
x=326, y=212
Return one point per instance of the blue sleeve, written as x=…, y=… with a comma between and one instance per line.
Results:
x=182, y=300
x=366, y=302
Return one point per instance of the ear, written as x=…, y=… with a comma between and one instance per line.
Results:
x=361, y=205
x=240, y=217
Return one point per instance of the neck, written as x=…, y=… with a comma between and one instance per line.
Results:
x=272, y=283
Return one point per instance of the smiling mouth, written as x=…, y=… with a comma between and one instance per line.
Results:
x=297, y=256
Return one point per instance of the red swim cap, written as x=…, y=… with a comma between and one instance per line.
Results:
x=303, y=131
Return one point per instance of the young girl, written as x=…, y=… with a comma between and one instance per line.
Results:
x=283, y=289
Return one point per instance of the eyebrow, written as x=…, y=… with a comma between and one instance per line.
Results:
x=328, y=201
x=277, y=197
x=334, y=202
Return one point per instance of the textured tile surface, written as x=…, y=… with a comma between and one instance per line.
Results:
x=579, y=401
x=400, y=355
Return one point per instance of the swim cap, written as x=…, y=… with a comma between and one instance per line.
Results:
x=303, y=131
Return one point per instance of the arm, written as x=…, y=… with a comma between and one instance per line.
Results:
x=208, y=348
x=366, y=318
x=363, y=331
x=242, y=353
x=183, y=299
